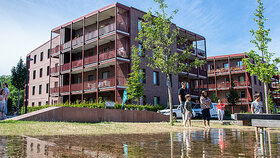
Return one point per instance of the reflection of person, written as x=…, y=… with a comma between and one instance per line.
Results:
x=205, y=103
x=2, y=104
x=187, y=141
x=221, y=140
x=220, y=110
x=181, y=95
x=257, y=105
x=188, y=109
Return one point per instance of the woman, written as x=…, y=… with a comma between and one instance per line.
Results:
x=220, y=110
x=205, y=103
x=2, y=104
x=7, y=93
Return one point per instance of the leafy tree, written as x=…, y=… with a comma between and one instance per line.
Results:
x=233, y=96
x=158, y=35
x=262, y=65
x=135, y=88
x=19, y=78
x=270, y=101
x=214, y=97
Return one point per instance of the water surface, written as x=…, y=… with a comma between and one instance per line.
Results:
x=204, y=143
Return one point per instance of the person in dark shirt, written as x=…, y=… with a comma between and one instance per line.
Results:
x=188, y=108
x=182, y=92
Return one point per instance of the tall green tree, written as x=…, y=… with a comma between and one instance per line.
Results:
x=158, y=35
x=19, y=78
x=233, y=96
x=135, y=87
x=261, y=62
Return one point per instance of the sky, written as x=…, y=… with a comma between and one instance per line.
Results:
x=26, y=24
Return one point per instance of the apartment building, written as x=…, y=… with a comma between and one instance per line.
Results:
x=224, y=69
x=91, y=59
x=38, y=62
x=274, y=86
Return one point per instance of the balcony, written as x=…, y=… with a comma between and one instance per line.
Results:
x=200, y=53
x=77, y=41
x=240, y=69
x=106, y=29
x=104, y=83
x=54, y=90
x=66, y=45
x=64, y=89
x=90, y=85
x=55, y=50
x=54, y=70
x=77, y=63
x=90, y=60
x=107, y=55
x=226, y=85
x=225, y=71
x=76, y=87
x=65, y=67
x=91, y=35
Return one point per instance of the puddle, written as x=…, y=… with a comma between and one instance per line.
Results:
x=205, y=143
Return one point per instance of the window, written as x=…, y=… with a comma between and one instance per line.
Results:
x=144, y=75
x=34, y=74
x=104, y=75
x=156, y=100
x=260, y=83
x=212, y=81
x=227, y=79
x=47, y=102
x=47, y=88
x=39, y=103
x=33, y=90
x=48, y=53
x=34, y=59
x=242, y=94
x=239, y=64
x=41, y=72
x=141, y=51
x=79, y=79
x=255, y=80
x=33, y=103
x=40, y=89
x=41, y=56
x=139, y=25
x=225, y=65
x=156, y=78
x=241, y=79
x=210, y=67
x=48, y=70
x=90, y=77
x=144, y=98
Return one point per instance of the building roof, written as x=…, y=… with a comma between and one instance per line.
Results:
x=226, y=56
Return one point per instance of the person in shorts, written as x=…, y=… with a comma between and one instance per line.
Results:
x=188, y=108
x=205, y=103
x=2, y=104
x=182, y=92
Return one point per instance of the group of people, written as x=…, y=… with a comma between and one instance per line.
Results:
x=4, y=93
x=205, y=104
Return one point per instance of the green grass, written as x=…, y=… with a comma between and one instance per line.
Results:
x=32, y=128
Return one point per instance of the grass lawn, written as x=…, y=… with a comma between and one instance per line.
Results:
x=32, y=128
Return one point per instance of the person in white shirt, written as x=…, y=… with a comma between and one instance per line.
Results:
x=7, y=93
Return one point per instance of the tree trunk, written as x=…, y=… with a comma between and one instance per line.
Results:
x=266, y=98
x=18, y=101
x=170, y=98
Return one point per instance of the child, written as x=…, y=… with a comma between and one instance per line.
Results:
x=188, y=108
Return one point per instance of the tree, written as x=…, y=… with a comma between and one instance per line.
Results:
x=158, y=35
x=19, y=78
x=135, y=87
x=233, y=96
x=263, y=66
x=214, y=97
x=270, y=101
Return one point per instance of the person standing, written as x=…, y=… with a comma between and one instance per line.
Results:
x=257, y=105
x=182, y=92
x=205, y=103
x=188, y=109
x=220, y=110
x=7, y=93
x=2, y=104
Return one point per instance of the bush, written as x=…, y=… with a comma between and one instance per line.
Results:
x=97, y=105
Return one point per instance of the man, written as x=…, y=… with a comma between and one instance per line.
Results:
x=257, y=105
x=7, y=92
x=182, y=92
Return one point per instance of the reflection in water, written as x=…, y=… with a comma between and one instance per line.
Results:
x=204, y=143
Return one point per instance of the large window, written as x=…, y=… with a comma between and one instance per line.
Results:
x=239, y=64
x=104, y=75
x=156, y=78
x=139, y=24
x=156, y=100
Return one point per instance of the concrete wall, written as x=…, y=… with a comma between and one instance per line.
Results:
x=71, y=114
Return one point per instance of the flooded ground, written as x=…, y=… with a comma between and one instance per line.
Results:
x=204, y=143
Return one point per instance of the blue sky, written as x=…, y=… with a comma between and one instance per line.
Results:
x=26, y=24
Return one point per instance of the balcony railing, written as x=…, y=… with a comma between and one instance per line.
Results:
x=226, y=70
x=107, y=55
x=90, y=60
x=54, y=70
x=223, y=85
x=65, y=67
x=107, y=29
x=77, y=41
x=77, y=63
x=193, y=71
x=241, y=100
x=227, y=85
x=66, y=45
x=64, y=89
x=109, y=82
x=54, y=90
x=76, y=87
x=55, y=50
x=90, y=85
x=91, y=35
x=236, y=69
x=200, y=52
